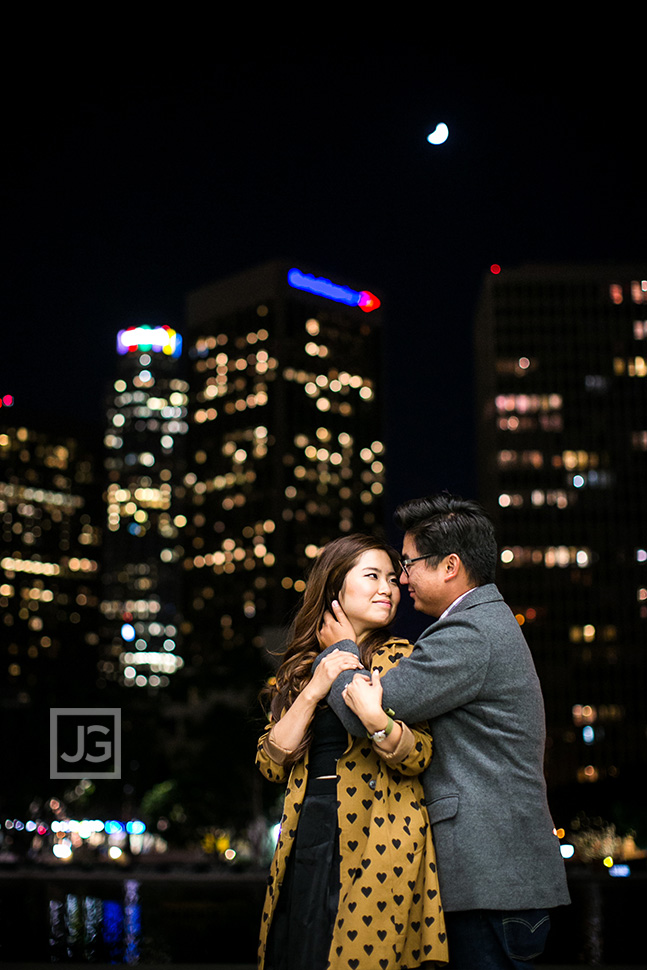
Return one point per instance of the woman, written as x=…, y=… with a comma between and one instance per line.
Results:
x=353, y=881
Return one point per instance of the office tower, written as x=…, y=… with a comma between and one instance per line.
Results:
x=49, y=591
x=285, y=451
x=147, y=422
x=562, y=391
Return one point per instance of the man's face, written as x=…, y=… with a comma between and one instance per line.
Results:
x=426, y=584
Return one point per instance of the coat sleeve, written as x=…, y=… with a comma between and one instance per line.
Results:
x=413, y=752
x=445, y=671
x=350, y=721
x=270, y=758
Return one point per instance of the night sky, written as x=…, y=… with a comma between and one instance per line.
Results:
x=136, y=171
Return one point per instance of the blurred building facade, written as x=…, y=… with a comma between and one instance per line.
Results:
x=562, y=412
x=146, y=420
x=285, y=452
x=49, y=589
x=49, y=560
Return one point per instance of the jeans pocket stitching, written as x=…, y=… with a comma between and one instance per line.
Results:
x=540, y=927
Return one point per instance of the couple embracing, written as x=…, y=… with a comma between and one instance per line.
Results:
x=391, y=854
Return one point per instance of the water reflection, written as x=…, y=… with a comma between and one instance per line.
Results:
x=90, y=929
x=133, y=924
x=149, y=918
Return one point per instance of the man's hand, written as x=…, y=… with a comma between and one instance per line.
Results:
x=335, y=627
x=364, y=696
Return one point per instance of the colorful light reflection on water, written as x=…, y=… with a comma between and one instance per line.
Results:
x=87, y=928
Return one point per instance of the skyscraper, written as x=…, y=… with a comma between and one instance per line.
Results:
x=49, y=591
x=562, y=398
x=147, y=422
x=49, y=567
x=285, y=451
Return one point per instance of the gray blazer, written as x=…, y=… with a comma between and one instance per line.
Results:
x=471, y=675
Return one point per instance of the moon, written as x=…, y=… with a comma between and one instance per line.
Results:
x=439, y=135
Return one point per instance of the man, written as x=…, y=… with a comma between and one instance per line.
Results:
x=472, y=676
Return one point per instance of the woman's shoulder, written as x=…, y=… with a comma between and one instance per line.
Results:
x=394, y=649
x=399, y=642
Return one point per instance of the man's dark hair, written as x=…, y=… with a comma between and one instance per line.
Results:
x=442, y=524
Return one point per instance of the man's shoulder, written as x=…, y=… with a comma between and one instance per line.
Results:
x=478, y=606
x=476, y=597
x=479, y=596
x=483, y=606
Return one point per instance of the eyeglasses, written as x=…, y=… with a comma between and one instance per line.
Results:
x=405, y=563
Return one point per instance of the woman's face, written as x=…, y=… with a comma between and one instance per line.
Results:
x=371, y=592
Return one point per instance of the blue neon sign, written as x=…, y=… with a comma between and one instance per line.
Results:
x=333, y=291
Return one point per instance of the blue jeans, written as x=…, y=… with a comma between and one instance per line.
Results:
x=485, y=939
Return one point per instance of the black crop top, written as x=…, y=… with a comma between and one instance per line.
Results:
x=329, y=741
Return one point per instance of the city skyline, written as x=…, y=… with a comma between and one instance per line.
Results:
x=209, y=522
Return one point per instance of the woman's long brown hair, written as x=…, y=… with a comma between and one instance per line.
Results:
x=324, y=583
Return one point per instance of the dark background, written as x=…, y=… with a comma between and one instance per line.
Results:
x=147, y=158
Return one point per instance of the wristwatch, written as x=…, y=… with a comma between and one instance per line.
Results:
x=384, y=732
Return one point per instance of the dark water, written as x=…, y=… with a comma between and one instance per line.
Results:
x=152, y=920
x=211, y=919
x=604, y=926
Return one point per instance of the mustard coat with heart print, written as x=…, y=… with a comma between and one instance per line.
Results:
x=390, y=913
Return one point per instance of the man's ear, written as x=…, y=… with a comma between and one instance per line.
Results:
x=452, y=566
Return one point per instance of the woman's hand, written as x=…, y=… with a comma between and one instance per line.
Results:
x=289, y=730
x=327, y=671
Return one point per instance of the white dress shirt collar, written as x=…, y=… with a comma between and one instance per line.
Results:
x=456, y=602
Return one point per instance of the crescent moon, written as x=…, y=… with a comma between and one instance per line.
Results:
x=439, y=135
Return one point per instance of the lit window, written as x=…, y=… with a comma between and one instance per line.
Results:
x=584, y=714
x=639, y=291
x=588, y=774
